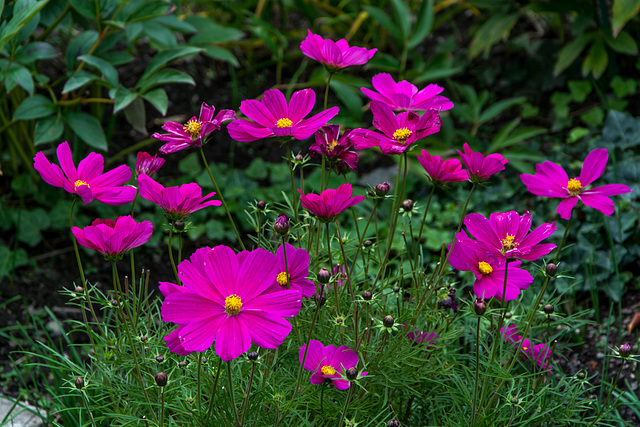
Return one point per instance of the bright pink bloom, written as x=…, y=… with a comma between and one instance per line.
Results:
x=439, y=171
x=148, y=164
x=87, y=181
x=506, y=235
x=481, y=167
x=226, y=300
x=112, y=238
x=177, y=202
x=298, y=271
x=330, y=203
x=403, y=96
x=467, y=255
x=398, y=132
x=550, y=180
x=334, y=55
x=192, y=133
x=538, y=353
x=173, y=339
x=329, y=363
x=274, y=117
x=335, y=148
x=418, y=337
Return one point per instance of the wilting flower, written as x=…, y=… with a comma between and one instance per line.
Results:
x=226, y=300
x=87, y=181
x=335, y=148
x=418, y=337
x=403, y=96
x=329, y=363
x=274, y=117
x=177, y=202
x=398, y=132
x=481, y=167
x=112, y=238
x=507, y=235
x=439, y=171
x=330, y=203
x=550, y=180
x=538, y=353
x=467, y=255
x=148, y=164
x=297, y=266
x=334, y=55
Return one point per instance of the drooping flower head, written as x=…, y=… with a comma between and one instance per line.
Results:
x=148, y=164
x=550, y=180
x=398, y=132
x=177, y=202
x=441, y=172
x=334, y=55
x=539, y=353
x=227, y=300
x=330, y=203
x=335, y=148
x=481, y=167
x=195, y=131
x=506, y=235
x=274, y=117
x=403, y=96
x=87, y=181
x=112, y=238
x=297, y=265
x=329, y=363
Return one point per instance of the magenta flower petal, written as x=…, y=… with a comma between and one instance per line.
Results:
x=174, y=343
x=334, y=55
x=115, y=238
x=328, y=363
x=267, y=330
x=234, y=338
x=565, y=207
x=297, y=266
x=593, y=166
x=404, y=96
x=481, y=167
x=330, y=203
x=256, y=273
x=200, y=335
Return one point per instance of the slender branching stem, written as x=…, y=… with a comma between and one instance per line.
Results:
x=214, y=389
x=232, y=398
x=245, y=401
x=346, y=406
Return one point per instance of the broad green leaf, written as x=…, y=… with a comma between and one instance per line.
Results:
x=383, y=19
x=47, y=130
x=424, y=24
x=349, y=96
x=84, y=8
x=623, y=11
x=214, y=33
x=570, y=52
x=78, y=79
x=35, y=51
x=133, y=29
x=402, y=15
x=624, y=43
x=123, y=97
x=579, y=89
x=593, y=117
x=18, y=21
x=78, y=46
x=108, y=71
x=620, y=130
x=158, y=98
x=17, y=75
x=28, y=29
x=88, y=128
x=10, y=260
x=499, y=107
x=217, y=52
x=596, y=61
x=162, y=59
x=29, y=225
x=172, y=22
x=136, y=115
x=577, y=134
x=142, y=10
x=165, y=76
x=34, y=107
x=497, y=27
x=623, y=87
x=159, y=34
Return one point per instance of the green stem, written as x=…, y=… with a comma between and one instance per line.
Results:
x=173, y=263
x=199, y=361
x=424, y=218
x=294, y=200
x=475, y=385
x=86, y=405
x=346, y=406
x=161, y=409
x=245, y=401
x=231, y=396
x=326, y=91
x=344, y=263
x=213, y=393
x=613, y=386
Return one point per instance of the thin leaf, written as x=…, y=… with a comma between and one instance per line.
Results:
x=88, y=128
x=424, y=24
x=570, y=52
x=499, y=107
x=596, y=61
x=162, y=77
x=108, y=71
x=164, y=58
x=624, y=43
x=19, y=20
x=383, y=19
x=77, y=80
x=123, y=97
x=497, y=27
x=402, y=15
x=623, y=11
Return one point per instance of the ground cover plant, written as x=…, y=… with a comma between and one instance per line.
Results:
x=297, y=290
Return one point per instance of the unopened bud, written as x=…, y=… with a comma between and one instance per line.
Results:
x=203, y=360
x=79, y=289
x=367, y=243
x=352, y=374
x=394, y=423
x=551, y=269
x=179, y=225
x=252, y=355
x=396, y=289
x=183, y=364
x=144, y=338
x=261, y=205
x=190, y=401
x=161, y=379
x=508, y=315
x=366, y=295
x=339, y=320
x=320, y=299
x=480, y=306
x=515, y=400
x=548, y=309
x=388, y=321
x=581, y=375
x=281, y=226
x=383, y=189
x=79, y=383
x=407, y=205
x=324, y=275
x=625, y=350
x=114, y=302
x=298, y=158
x=160, y=359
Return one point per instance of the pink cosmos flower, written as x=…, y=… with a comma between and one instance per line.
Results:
x=403, y=96
x=173, y=339
x=398, y=132
x=148, y=164
x=335, y=148
x=550, y=180
x=329, y=363
x=112, y=238
x=274, y=117
x=488, y=270
x=298, y=268
x=226, y=300
x=439, y=171
x=538, y=353
x=481, y=167
x=177, y=202
x=192, y=133
x=506, y=235
x=418, y=337
x=87, y=181
x=330, y=203
x=334, y=55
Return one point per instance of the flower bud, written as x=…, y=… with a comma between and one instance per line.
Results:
x=383, y=189
x=352, y=373
x=160, y=359
x=320, y=299
x=79, y=289
x=339, y=321
x=161, y=379
x=366, y=295
x=148, y=164
x=581, y=375
x=298, y=158
x=190, y=401
x=508, y=315
x=515, y=400
x=79, y=383
x=388, y=321
x=183, y=364
x=394, y=423
x=551, y=269
x=179, y=225
x=143, y=338
x=367, y=243
x=114, y=302
x=548, y=309
x=261, y=205
x=407, y=205
x=625, y=350
x=480, y=306
x=252, y=355
x=324, y=275
x=281, y=226
x=396, y=289
x=203, y=360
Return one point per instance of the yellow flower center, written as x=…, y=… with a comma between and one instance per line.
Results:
x=80, y=182
x=193, y=127
x=485, y=268
x=232, y=304
x=574, y=186
x=508, y=243
x=327, y=370
x=283, y=279
x=402, y=134
x=284, y=123
x=332, y=145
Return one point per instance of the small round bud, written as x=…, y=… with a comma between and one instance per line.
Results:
x=298, y=158
x=261, y=205
x=281, y=225
x=515, y=400
x=551, y=269
x=548, y=309
x=480, y=306
x=143, y=338
x=252, y=355
x=114, y=302
x=581, y=375
x=189, y=400
x=339, y=320
x=203, y=360
x=366, y=295
x=324, y=275
x=179, y=225
x=367, y=243
x=79, y=289
x=508, y=315
x=352, y=374
x=161, y=379
x=320, y=299
x=407, y=205
x=394, y=423
x=160, y=359
x=383, y=189
x=396, y=289
x=388, y=321
x=183, y=364
x=79, y=383
x=625, y=350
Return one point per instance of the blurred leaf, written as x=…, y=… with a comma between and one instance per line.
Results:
x=210, y=32
x=123, y=97
x=10, y=260
x=217, y=52
x=593, y=117
x=570, y=52
x=158, y=98
x=160, y=34
x=423, y=25
x=163, y=77
x=19, y=20
x=164, y=58
x=257, y=169
x=47, y=130
x=136, y=116
x=17, y=75
x=623, y=87
x=84, y=8
x=34, y=107
x=172, y=22
x=596, y=61
x=88, y=128
x=620, y=130
x=401, y=16
x=579, y=89
x=623, y=11
x=35, y=51
x=383, y=19
x=497, y=27
x=576, y=134
x=624, y=43
x=108, y=71
x=499, y=107
x=29, y=224
x=349, y=96
x=77, y=80
x=78, y=46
